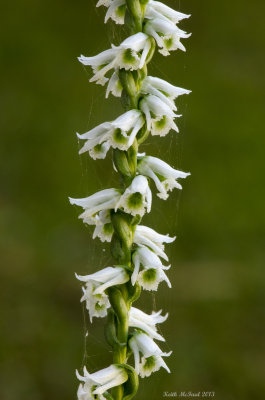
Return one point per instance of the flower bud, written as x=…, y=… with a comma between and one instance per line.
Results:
x=151, y=51
x=122, y=226
x=121, y=163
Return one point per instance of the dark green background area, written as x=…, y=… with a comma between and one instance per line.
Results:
x=216, y=325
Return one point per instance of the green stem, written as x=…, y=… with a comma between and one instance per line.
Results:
x=121, y=297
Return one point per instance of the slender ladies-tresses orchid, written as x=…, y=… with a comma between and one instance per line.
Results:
x=116, y=213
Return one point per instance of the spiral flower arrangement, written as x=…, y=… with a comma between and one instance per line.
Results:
x=116, y=213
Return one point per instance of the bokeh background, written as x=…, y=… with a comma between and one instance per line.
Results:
x=216, y=326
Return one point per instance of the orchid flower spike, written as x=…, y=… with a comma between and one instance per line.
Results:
x=164, y=176
x=94, y=385
x=166, y=34
x=156, y=9
x=147, y=322
x=95, y=286
x=159, y=115
x=116, y=10
x=104, y=200
x=119, y=133
x=151, y=354
x=153, y=269
x=137, y=198
x=145, y=236
x=130, y=55
x=139, y=251
x=163, y=90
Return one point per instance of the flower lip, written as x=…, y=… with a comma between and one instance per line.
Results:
x=153, y=269
x=137, y=198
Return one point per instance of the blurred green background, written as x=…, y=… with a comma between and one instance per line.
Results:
x=216, y=326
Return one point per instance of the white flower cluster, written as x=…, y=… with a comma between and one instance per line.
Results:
x=161, y=22
x=156, y=113
x=148, y=357
x=156, y=109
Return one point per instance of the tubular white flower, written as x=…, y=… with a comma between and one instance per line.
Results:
x=159, y=116
x=97, y=301
x=119, y=133
x=114, y=86
x=126, y=128
x=164, y=176
x=96, y=384
x=148, y=237
x=104, y=229
x=162, y=89
x=106, y=277
x=156, y=9
x=147, y=322
x=137, y=198
x=104, y=200
x=153, y=269
x=130, y=55
x=151, y=354
x=116, y=10
x=96, y=304
x=166, y=35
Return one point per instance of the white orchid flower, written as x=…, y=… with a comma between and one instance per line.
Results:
x=103, y=229
x=116, y=10
x=130, y=55
x=156, y=9
x=137, y=198
x=159, y=115
x=163, y=90
x=94, y=385
x=148, y=237
x=166, y=34
x=96, y=304
x=147, y=322
x=94, y=295
x=151, y=354
x=153, y=269
x=114, y=86
x=164, y=176
x=104, y=200
x=119, y=133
